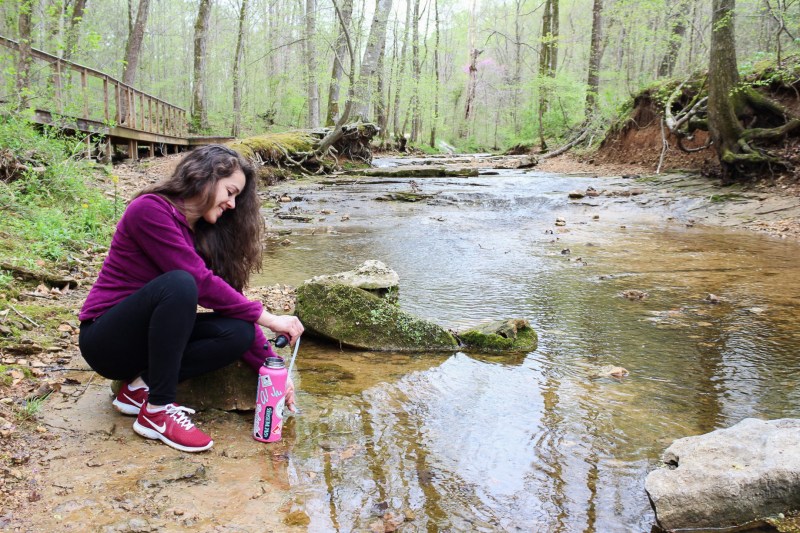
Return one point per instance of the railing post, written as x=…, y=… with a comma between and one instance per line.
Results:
x=57, y=86
x=118, y=102
x=150, y=115
x=105, y=99
x=129, y=111
x=141, y=111
x=85, y=90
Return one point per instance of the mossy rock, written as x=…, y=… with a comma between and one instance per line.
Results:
x=515, y=335
x=358, y=319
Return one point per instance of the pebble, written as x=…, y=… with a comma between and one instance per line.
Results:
x=561, y=222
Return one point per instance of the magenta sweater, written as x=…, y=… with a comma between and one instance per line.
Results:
x=153, y=238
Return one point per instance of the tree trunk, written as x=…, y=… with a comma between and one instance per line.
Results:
x=380, y=102
x=25, y=58
x=723, y=79
x=435, y=118
x=415, y=73
x=237, y=61
x=548, y=59
x=340, y=49
x=71, y=41
x=199, y=120
x=369, y=62
x=398, y=130
x=593, y=73
x=132, y=51
x=472, y=76
x=677, y=22
x=312, y=89
x=472, y=82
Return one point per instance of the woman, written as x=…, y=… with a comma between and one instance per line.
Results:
x=192, y=239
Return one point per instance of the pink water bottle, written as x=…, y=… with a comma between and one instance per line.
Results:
x=270, y=398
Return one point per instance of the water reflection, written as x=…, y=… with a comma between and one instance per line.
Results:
x=542, y=441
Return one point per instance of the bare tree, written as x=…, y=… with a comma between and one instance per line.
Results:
x=312, y=89
x=25, y=58
x=435, y=117
x=237, y=62
x=369, y=62
x=132, y=51
x=398, y=130
x=199, y=120
x=472, y=79
x=548, y=59
x=778, y=13
x=595, y=50
x=415, y=73
x=676, y=20
x=340, y=49
x=73, y=24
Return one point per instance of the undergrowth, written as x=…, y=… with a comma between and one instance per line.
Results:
x=49, y=210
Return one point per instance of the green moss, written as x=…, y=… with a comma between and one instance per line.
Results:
x=500, y=336
x=719, y=198
x=482, y=342
x=359, y=319
x=273, y=147
x=5, y=373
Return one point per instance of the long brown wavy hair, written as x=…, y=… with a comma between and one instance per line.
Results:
x=232, y=246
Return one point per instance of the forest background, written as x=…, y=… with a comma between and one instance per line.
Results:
x=477, y=75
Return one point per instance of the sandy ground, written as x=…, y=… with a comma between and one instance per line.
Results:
x=79, y=467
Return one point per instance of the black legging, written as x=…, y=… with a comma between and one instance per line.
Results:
x=157, y=332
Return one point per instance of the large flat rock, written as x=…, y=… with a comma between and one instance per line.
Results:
x=729, y=477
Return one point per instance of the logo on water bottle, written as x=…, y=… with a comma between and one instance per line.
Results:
x=266, y=381
x=276, y=393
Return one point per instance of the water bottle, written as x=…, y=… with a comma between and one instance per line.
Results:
x=270, y=398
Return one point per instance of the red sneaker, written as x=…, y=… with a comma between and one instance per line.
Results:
x=128, y=402
x=172, y=427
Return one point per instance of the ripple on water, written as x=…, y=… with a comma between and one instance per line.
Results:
x=540, y=441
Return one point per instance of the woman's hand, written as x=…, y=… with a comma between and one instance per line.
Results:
x=290, y=395
x=288, y=325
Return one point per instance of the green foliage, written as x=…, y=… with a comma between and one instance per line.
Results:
x=49, y=210
x=31, y=408
x=5, y=373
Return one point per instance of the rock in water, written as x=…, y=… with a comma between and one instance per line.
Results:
x=729, y=477
x=515, y=335
x=358, y=319
x=371, y=275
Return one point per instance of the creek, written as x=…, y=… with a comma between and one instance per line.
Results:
x=540, y=441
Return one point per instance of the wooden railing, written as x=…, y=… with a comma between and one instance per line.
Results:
x=96, y=97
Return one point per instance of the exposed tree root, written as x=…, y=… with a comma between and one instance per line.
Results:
x=747, y=153
x=309, y=152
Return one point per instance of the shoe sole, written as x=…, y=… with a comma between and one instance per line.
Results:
x=155, y=435
x=125, y=408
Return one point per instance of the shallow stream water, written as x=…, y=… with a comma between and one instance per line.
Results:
x=539, y=441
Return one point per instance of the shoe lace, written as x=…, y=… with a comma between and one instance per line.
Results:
x=178, y=413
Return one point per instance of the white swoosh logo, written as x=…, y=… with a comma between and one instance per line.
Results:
x=134, y=402
x=161, y=429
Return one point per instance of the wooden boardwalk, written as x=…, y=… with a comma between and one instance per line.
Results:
x=79, y=99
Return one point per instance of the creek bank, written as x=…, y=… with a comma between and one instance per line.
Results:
x=730, y=478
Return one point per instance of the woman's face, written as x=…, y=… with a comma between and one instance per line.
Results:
x=225, y=193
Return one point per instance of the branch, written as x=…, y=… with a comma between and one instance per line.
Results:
x=771, y=133
x=566, y=147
